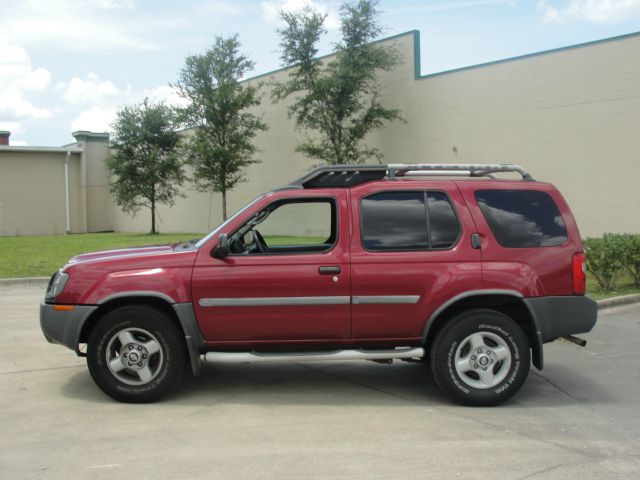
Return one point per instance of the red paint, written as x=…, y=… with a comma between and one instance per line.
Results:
x=534, y=272
x=434, y=276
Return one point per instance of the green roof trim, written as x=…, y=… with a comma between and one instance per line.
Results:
x=417, y=56
x=321, y=57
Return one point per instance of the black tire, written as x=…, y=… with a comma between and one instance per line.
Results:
x=504, y=358
x=164, y=363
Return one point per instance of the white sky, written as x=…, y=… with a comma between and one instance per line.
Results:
x=70, y=64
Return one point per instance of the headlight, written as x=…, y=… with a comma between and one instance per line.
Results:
x=56, y=285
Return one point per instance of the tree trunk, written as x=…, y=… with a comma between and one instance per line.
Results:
x=224, y=205
x=153, y=215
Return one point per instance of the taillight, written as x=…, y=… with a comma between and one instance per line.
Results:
x=579, y=273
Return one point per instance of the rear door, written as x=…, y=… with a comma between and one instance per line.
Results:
x=410, y=252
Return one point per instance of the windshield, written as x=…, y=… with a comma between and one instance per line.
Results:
x=205, y=239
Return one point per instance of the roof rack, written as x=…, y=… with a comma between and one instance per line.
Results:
x=352, y=175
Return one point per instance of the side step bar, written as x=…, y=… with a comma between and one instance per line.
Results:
x=254, y=357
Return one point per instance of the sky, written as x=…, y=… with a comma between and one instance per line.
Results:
x=68, y=65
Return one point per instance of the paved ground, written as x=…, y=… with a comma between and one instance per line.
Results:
x=580, y=418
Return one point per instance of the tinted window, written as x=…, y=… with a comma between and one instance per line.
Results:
x=443, y=223
x=401, y=221
x=394, y=221
x=522, y=218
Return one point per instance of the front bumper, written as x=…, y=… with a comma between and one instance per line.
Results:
x=561, y=316
x=64, y=327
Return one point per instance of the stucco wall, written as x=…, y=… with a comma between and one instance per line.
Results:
x=32, y=193
x=571, y=117
x=99, y=201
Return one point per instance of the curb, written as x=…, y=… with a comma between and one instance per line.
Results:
x=616, y=301
x=24, y=282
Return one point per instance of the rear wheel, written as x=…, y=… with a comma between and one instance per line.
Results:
x=480, y=358
x=136, y=354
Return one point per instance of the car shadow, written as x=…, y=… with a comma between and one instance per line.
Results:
x=559, y=384
x=82, y=387
x=343, y=383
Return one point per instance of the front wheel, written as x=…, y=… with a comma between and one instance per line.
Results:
x=135, y=354
x=480, y=358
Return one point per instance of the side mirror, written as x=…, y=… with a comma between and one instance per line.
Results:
x=221, y=250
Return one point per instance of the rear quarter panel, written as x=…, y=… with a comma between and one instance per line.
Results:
x=534, y=272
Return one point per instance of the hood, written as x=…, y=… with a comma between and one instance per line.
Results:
x=123, y=253
x=163, y=268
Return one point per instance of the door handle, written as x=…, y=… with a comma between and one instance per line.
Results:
x=329, y=270
x=475, y=241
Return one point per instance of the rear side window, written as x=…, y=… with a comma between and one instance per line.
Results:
x=408, y=220
x=522, y=218
x=394, y=221
x=443, y=223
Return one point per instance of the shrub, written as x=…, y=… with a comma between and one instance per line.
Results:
x=605, y=259
x=630, y=245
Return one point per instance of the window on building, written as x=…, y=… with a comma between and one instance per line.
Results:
x=522, y=218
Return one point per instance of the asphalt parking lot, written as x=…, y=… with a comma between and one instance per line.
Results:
x=579, y=418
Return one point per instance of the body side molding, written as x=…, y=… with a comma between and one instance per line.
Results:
x=374, y=299
x=316, y=300
x=273, y=301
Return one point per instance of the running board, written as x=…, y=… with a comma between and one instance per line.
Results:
x=254, y=357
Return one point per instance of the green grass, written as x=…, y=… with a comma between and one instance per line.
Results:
x=276, y=240
x=42, y=255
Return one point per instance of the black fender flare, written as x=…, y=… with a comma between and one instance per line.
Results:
x=537, y=344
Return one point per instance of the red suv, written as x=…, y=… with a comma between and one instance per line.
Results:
x=443, y=263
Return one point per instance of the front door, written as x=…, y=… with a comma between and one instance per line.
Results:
x=287, y=278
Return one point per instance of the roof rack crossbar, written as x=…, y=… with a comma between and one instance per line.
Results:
x=351, y=175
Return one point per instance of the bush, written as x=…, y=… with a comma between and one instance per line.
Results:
x=605, y=259
x=630, y=245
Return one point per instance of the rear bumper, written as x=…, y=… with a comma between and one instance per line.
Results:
x=64, y=327
x=561, y=316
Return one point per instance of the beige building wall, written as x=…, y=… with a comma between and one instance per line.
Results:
x=570, y=116
x=94, y=181
x=32, y=188
x=32, y=198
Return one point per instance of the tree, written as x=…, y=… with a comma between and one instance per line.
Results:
x=145, y=166
x=338, y=100
x=222, y=145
